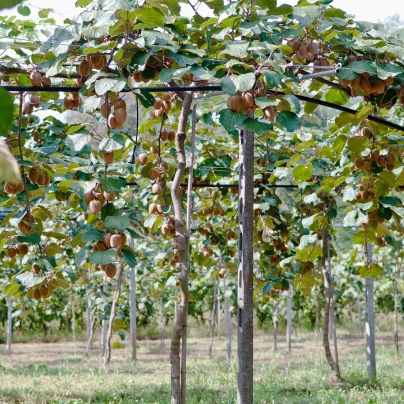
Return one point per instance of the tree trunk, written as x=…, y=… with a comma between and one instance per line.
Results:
x=396, y=307
x=227, y=319
x=9, y=323
x=73, y=312
x=161, y=323
x=317, y=321
x=275, y=323
x=332, y=308
x=212, y=321
x=328, y=298
x=132, y=314
x=245, y=268
x=89, y=316
x=104, y=324
x=289, y=318
x=218, y=311
x=178, y=375
x=117, y=294
x=90, y=337
x=370, y=320
x=358, y=302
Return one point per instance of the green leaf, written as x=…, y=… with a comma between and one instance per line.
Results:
x=238, y=50
x=6, y=111
x=303, y=173
x=103, y=257
x=28, y=279
x=77, y=240
x=231, y=120
x=272, y=79
x=374, y=271
x=9, y=4
x=256, y=126
x=129, y=256
x=149, y=17
x=336, y=96
x=390, y=200
x=92, y=235
x=77, y=141
x=24, y=10
x=109, y=84
x=81, y=255
x=354, y=218
x=33, y=238
x=56, y=235
x=118, y=324
x=244, y=82
x=11, y=289
x=289, y=120
x=305, y=282
x=113, y=184
x=119, y=223
x=108, y=144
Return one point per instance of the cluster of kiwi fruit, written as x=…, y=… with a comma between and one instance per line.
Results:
x=157, y=173
x=176, y=257
x=95, y=60
x=33, y=102
x=215, y=210
x=35, y=176
x=139, y=76
x=207, y=231
x=364, y=192
x=367, y=84
x=72, y=101
x=20, y=249
x=25, y=224
x=108, y=157
x=42, y=291
x=96, y=198
x=12, y=188
x=382, y=160
x=305, y=51
x=168, y=228
x=109, y=269
x=156, y=208
x=115, y=113
x=306, y=266
x=279, y=245
x=373, y=218
x=37, y=80
x=161, y=106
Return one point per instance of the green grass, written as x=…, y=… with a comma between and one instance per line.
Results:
x=60, y=373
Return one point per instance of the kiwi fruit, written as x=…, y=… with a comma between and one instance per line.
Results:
x=84, y=68
x=100, y=246
x=47, y=179
x=158, y=103
x=356, y=82
x=112, y=122
x=378, y=87
x=95, y=206
x=22, y=249
x=390, y=159
x=36, y=268
x=124, y=238
x=142, y=158
x=171, y=135
x=109, y=197
x=46, y=82
x=365, y=85
x=389, y=81
x=235, y=103
x=110, y=270
x=36, y=79
x=313, y=47
x=375, y=155
x=366, y=132
x=33, y=175
x=88, y=197
x=160, y=208
x=100, y=197
x=247, y=99
x=104, y=110
x=358, y=162
x=68, y=103
x=116, y=241
x=43, y=290
x=381, y=161
x=36, y=294
x=153, y=173
x=156, y=188
x=27, y=109
x=153, y=208
x=119, y=104
x=41, y=179
x=164, y=135
x=120, y=115
x=12, y=252
x=108, y=157
x=154, y=150
x=35, y=101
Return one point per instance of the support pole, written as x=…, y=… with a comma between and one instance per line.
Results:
x=370, y=320
x=161, y=323
x=132, y=314
x=245, y=267
x=396, y=308
x=9, y=323
x=104, y=324
x=73, y=313
x=358, y=303
x=289, y=318
x=227, y=318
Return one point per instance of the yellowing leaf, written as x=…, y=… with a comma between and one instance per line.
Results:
x=9, y=169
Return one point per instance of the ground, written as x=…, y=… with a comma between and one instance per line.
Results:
x=61, y=373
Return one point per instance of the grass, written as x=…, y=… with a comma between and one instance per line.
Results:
x=61, y=373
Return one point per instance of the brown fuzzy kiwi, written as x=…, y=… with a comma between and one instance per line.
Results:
x=108, y=157
x=36, y=268
x=378, y=87
x=365, y=195
x=365, y=85
x=110, y=270
x=375, y=155
x=95, y=59
x=101, y=246
x=9, y=188
x=313, y=47
x=36, y=79
x=88, y=197
x=100, y=197
x=95, y=206
x=120, y=115
x=119, y=104
x=235, y=103
x=47, y=179
x=166, y=106
x=41, y=179
x=107, y=239
x=356, y=82
x=36, y=294
x=166, y=97
x=171, y=135
x=381, y=161
x=22, y=249
x=158, y=102
x=35, y=101
x=79, y=82
x=124, y=238
x=154, y=150
x=159, y=113
x=20, y=188
x=247, y=99
x=160, y=208
x=110, y=197
x=165, y=230
x=27, y=109
x=389, y=167
x=358, y=162
x=366, y=132
x=46, y=82
x=104, y=109
x=44, y=291
x=390, y=159
x=112, y=122
x=156, y=188
x=84, y=68
x=295, y=45
x=12, y=252
x=345, y=82
x=116, y=241
x=153, y=208
x=153, y=173
x=142, y=158
x=389, y=81
x=164, y=135
x=302, y=52
x=68, y=103
x=33, y=175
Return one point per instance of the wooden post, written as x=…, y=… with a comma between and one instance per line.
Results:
x=104, y=324
x=370, y=320
x=73, y=312
x=245, y=268
x=227, y=318
x=396, y=308
x=213, y=316
x=89, y=318
x=132, y=313
x=161, y=323
x=218, y=310
x=289, y=318
x=9, y=323
x=275, y=324
x=358, y=302
x=317, y=321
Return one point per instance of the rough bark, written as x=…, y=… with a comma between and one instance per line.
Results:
x=132, y=314
x=245, y=312
x=73, y=312
x=317, y=321
x=117, y=294
x=289, y=318
x=275, y=324
x=218, y=311
x=358, y=302
x=328, y=297
x=90, y=336
x=332, y=309
x=227, y=319
x=370, y=320
x=161, y=323
x=178, y=375
x=89, y=320
x=9, y=323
